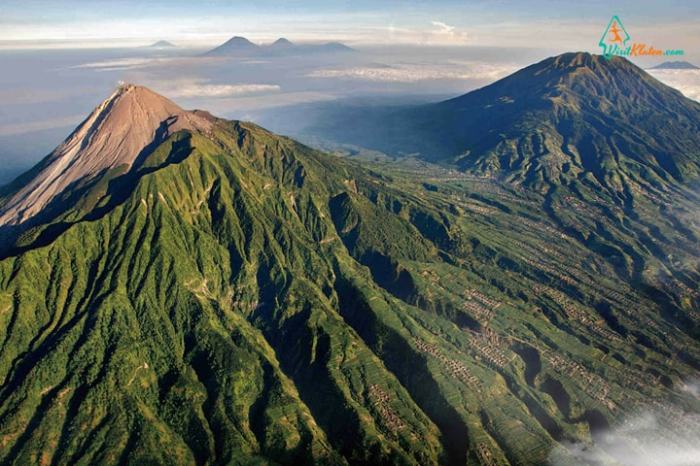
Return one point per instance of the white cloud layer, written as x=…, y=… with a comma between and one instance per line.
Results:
x=662, y=435
x=686, y=81
x=225, y=90
x=416, y=73
x=120, y=64
x=443, y=28
x=195, y=88
x=449, y=33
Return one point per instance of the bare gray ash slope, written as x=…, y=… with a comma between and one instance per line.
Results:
x=112, y=137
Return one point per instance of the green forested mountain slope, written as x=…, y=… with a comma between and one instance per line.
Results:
x=238, y=298
x=575, y=119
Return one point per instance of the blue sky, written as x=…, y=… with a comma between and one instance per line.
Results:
x=564, y=24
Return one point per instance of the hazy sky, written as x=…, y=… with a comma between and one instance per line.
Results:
x=569, y=24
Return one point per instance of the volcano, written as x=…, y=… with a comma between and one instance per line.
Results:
x=177, y=288
x=111, y=138
x=576, y=119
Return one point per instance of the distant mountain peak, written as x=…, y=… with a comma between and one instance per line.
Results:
x=114, y=135
x=238, y=39
x=675, y=65
x=162, y=44
x=242, y=47
x=338, y=46
x=235, y=45
x=282, y=42
x=239, y=42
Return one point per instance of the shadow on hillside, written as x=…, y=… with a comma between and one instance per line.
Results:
x=44, y=228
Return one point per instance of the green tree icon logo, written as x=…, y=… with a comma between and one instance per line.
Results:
x=615, y=37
